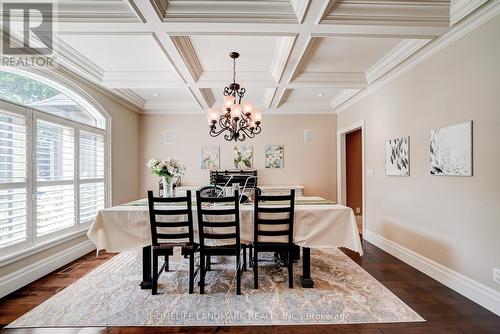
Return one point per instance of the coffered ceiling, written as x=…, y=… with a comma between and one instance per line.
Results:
x=297, y=56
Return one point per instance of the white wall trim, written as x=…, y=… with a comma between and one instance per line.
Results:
x=461, y=8
x=477, y=292
x=19, y=278
x=481, y=16
x=341, y=166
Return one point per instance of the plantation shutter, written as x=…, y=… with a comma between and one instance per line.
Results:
x=13, y=212
x=91, y=175
x=55, y=168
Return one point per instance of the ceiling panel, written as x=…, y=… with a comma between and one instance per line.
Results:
x=256, y=52
x=316, y=95
x=138, y=52
x=349, y=54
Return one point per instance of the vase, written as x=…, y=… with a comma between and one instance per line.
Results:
x=168, y=186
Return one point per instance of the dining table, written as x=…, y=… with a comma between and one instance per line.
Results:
x=318, y=224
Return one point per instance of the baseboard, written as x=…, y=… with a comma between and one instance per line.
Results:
x=17, y=279
x=475, y=291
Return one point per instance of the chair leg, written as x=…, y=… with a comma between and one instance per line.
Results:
x=154, y=289
x=166, y=263
x=238, y=274
x=202, y=274
x=191, y=272
x=255, y=270
x=290, y=269
x=209, y=263
x=245, y=257
x=250, y=258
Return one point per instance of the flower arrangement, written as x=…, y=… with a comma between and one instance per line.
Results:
x=168, y=168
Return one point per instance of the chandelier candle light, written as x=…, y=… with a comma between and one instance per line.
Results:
x=238, y=120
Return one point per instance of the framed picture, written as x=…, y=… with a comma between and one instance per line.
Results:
x=243, y=157
x=397, y=157
x=274, y=156
x=210, y=157
x=451, y=150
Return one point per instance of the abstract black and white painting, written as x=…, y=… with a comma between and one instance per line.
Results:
x=397, y=157
x=451, y=150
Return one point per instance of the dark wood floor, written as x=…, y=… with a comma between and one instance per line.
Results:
x=446, y=311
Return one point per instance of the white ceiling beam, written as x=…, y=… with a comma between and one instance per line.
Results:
x=402, y=51
x=348, y=30
x=281, y=55
x=149, y=10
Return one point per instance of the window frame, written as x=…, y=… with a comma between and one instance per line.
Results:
x=34, y=244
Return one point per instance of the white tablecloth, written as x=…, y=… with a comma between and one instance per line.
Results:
x=126, y=227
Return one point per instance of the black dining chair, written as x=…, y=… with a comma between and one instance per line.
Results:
x=166, y=235
x=277, y=231
x=215, y=235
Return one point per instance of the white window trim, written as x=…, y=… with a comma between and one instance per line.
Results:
x=35, y=244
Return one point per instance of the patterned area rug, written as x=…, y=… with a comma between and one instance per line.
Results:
x=344, y=293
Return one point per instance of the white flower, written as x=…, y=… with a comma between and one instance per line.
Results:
x=169, y=167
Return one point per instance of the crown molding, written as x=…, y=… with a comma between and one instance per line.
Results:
x=478, y=18
x=137, y=11
x=131, y=96
x=77, y=62
x=75, y=67
x=342, y=97
x=307, y=52
x=384, y=12
x=331, y=79
x=99, y=88
x=281, y=55
x=462, y=8
x=402, y=51
x=98, y=11
x=300, y=8
x=283, y=98
x=250, y=11
x=188, y=54
x=268, y=97
x=208, y=96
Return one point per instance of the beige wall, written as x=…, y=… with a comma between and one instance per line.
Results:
x=454, y=221
x=311, y=165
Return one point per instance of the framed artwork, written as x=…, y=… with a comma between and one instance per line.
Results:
x=397, y=157
x=274, y=156
x=210, y=157
x=451, y=150
x=243, y=157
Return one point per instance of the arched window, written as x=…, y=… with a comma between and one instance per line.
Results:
x=53, y=166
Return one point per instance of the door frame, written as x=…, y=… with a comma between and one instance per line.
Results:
x=341, y=167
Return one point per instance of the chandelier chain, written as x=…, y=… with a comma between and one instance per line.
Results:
x=234, y=70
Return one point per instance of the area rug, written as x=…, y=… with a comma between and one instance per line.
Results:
x=344, y=293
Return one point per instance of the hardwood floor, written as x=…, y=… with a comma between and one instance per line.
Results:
x=446, y=311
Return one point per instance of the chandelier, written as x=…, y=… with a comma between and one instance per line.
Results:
x=236, y=120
